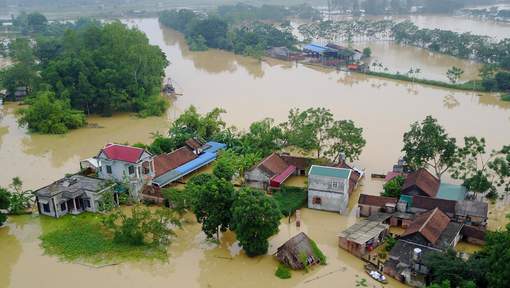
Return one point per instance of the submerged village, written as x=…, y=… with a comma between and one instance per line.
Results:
x=113, y=170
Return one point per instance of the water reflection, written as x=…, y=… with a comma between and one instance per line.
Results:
x=10, y=251
x=212, y=61
x=450, y=101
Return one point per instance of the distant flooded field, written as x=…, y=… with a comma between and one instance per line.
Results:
x=249, y=90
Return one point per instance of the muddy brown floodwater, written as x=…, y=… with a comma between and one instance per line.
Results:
x=249, y=90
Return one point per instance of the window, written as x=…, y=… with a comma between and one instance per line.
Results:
x=316, y=200
x=63, y=206
x=334, y=184
x=131, y=170
x=146, y=170
x=46, y=207
x=108, y=169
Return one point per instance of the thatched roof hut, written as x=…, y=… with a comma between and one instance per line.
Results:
x=294, y=251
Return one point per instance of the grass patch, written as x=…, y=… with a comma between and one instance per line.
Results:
x=318, y=253
x=505, y=97
x=290, y=199
x=83, y=238
x=473, y=85
x=283, y=272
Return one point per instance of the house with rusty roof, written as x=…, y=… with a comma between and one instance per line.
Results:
x=126, y=164
x=272, y=171
x=432, y=231
x=433, y=228
x=421, y=183
x=370, y=204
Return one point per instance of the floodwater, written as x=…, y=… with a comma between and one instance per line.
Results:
x=249, y=90
x=460, y=24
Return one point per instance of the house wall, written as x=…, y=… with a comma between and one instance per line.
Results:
x=414, y=191
x=330, y=201
x=256, y=178
x=120, y=172
x=353, y=248
x=367, y=210
x=333, y=197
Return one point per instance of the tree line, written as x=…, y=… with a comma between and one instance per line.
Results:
x=213, y=31
x=89, y=69
x=311, y=130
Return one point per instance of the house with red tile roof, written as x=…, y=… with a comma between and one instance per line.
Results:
x=273, y=170
x=430, y=232
x=131, y=165
x=421, y=183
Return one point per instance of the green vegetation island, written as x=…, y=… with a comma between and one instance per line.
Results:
x=79, y=69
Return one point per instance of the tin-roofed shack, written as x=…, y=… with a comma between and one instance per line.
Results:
x=362, y=237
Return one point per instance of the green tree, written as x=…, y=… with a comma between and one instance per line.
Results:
x=262, y=138
x=308, y=129
x=367, y=52
x=255, y=218
x=446, y=266
x=4, y=205
x=393, y=188
x=427, y=145
x=50, y=115
x=192, y=124
x=178, y=200
x=453, y=74
x=473, y=166
x=142, y=227
x=346, y=139
x=211, y=202
x=19, y=199
x=225, y=166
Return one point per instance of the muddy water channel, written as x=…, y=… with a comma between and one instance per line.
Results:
x=249, y=90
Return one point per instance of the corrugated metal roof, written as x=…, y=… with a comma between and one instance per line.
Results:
x=316, y=48
x=330, y=171
x=451, y=192
x=203, y=159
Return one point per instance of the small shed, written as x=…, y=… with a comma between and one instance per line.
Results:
x=362, y=237
x=296, y=248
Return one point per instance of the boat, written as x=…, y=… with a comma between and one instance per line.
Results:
x=374, y=274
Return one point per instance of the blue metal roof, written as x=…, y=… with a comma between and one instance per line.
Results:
x=214, y=146
x=316, y=48
x=202, y=160
x=208, y=156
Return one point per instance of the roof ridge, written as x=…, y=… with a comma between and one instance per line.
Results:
x=428, y=219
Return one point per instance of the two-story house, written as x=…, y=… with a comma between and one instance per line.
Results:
x=328, y=188
x=130, y=165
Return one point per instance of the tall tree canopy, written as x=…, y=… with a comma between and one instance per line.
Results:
x=91, y=67
x=427, y=145
x=255, y=218
x=211, y=201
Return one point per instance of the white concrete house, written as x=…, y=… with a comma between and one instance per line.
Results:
x=72, y=195
x=328, y=188
x=131, y=165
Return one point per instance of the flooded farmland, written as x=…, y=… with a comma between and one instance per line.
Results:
x=249, y=90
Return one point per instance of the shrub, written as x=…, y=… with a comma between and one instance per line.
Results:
x=283, y=272
x=318, y=253
x=505, y=97
x=142, y=227
x=393, y=187
x=84, y=238
x=390, y=242
x=50, y=115
x=289, y=199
